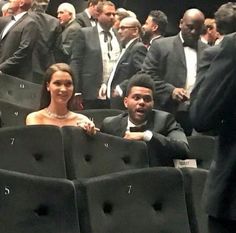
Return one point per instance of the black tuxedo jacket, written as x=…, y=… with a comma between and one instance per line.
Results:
x=43, y=54
x=165, y=62
x=168, y=141
x=207, y=57
x=129, y=64
x=214, y=108
x=16, y=48
x=83, y=19
x=63, y=48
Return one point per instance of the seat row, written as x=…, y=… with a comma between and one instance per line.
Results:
x=154, y=200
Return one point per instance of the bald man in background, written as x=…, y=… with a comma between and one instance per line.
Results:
x=172, y=62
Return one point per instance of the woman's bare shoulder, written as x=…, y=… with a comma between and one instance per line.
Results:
x=35, y=118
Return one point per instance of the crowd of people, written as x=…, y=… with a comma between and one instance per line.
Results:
x=168, y=84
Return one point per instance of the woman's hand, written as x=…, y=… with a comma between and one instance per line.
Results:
x=88, y=126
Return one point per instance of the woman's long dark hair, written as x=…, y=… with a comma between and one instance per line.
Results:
x=45, y=94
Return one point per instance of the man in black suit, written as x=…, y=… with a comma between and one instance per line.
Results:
x=49, y=30
x=128, y=64
x=172, y=62
x=164, y=137
x=154, y=27
x=214, y=108
x=94, y=52
x=17, y=41
x=88, y=17
x=66, y=16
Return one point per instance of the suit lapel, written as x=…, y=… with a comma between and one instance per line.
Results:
x=179, y=49
x=86, y=19
x=15, y=25
x=127, y=52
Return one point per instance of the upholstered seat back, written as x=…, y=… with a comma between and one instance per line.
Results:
x=36, y=150
x=202, y=148
x=32, y=204
x=89, y=156
x=19, y=91
x=142, y=200
x=12, y=114
x=194, y=182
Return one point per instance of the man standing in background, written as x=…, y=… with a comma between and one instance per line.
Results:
x=94, y=52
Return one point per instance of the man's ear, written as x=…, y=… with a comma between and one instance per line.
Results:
x=155, y=27
x=125, y=101
x=180, y=23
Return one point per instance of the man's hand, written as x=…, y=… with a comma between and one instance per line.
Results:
x=134, y=135
x=180, y=95
x=102, y=93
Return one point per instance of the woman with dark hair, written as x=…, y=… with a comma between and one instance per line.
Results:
x=56, y=97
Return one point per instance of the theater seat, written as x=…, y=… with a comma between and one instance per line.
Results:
x=98, y=115
x=32, y=204
x=20, y=92
x=194, y=182
x=89, y=156
x=12, y=114
x=137, y=201
x=202, y=148
x=36, y=150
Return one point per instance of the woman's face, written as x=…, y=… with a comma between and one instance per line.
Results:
x=61, y=87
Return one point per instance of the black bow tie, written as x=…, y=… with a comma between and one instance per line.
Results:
x=191, y=45
x=92, y=19
x=141, y=128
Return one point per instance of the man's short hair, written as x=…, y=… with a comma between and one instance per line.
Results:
x=225, y=18
x=101, y=5
x=93, y=2
x=160, y=19
x=141, y=80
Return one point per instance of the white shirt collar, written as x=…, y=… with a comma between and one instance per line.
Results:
x=87, y=12
x=20, y=15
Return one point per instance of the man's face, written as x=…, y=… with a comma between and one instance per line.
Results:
x=107, y=17
x=93, y=11
x=127, y=31
x=149, y=28
x=63, y=16
x=213, y=34
x=15, y=5
x=139, y=104
x=191, y=28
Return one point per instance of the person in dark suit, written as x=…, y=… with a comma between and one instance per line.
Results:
x=164, y=137
x=88, y=17
x=172, y=62
x=49, y=30
x=214, y=108
x=66, y=16
x=17, y=42
x=154, y=27
x=94, y=52
x=129, y=62
x=225, y=18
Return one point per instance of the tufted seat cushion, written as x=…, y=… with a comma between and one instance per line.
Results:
x=88, y=156
x=142, y=200
x=36, y=204
x=36, y=150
